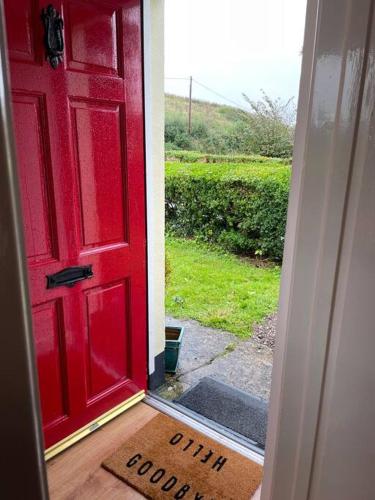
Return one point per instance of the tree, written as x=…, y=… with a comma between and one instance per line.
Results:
x=271, y=125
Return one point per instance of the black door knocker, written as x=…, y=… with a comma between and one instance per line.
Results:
x=53, y=35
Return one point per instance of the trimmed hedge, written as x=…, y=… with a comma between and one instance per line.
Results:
x=196, y=156
x=241, y=207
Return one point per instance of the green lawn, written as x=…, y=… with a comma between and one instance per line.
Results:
x=218, y=289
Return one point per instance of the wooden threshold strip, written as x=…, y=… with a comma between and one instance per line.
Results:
x=92, y=426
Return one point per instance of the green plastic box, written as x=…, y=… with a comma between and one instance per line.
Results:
x=173, y=339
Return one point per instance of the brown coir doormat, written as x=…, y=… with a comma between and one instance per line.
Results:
x=168, y=459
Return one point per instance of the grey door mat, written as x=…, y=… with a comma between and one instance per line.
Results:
x=230, y=407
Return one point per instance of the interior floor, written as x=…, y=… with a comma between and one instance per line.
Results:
x=77, y=472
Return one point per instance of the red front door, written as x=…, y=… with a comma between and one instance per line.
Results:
x=79, y=140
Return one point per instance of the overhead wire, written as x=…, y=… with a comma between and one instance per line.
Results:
x=218, y=94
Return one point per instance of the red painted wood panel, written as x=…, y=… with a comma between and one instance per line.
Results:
x=79, y=135
x=107, y=310
x=20, y=17
x=49, y=343
x=87, y=51
x=97, y=137
x=35, y=176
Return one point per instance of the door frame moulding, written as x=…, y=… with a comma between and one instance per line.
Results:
x=153, y=74
x=332, y=79
x=22, y=441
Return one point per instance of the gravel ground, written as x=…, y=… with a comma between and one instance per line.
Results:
x=265, y=332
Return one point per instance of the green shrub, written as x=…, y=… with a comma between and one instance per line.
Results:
x=241, y=207
x=176, y=133
x=270, y=129
x=199, y=130
x=195, y=156
x=169, y=146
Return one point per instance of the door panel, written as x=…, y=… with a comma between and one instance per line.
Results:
x=20, y=18
x=97, y=140
x=49, y=342
x=79, y=137
x=34, y=164
x=84, y=52
x=107, y=308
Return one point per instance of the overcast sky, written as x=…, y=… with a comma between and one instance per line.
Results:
x=234, y=46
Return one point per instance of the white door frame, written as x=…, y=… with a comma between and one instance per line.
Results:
x=334, y=61
x=22, y=466
x=153, y=64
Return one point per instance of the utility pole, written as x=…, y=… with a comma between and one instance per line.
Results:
x=190, y=91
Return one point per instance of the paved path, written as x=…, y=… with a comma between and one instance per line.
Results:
x=244, y=364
